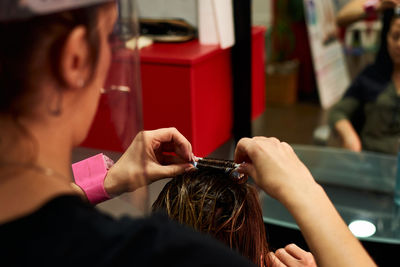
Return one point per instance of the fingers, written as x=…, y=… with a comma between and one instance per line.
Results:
x=170, y=171
x=285, y=257
x=274, y=261
x=171, y=140
x=292, y=255
x=243, y=150
x=250, y=150
x=247, y=148
x=303, y=256
x=295, y=251
x=247, y=168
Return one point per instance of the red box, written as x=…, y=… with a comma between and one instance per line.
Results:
x=118, y=118
x=188, y=86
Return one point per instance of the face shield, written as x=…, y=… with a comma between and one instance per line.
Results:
x=122, y=89
x=119, y=115
x=121, y=100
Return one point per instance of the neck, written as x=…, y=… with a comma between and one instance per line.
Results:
x=396, y=77
x=34, y=165
x=396, y=69
x=35, y=144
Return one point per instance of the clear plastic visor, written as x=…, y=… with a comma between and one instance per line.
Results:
x=119, y=115
x=123, y=96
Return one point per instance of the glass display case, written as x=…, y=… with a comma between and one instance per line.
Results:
x=360, y=185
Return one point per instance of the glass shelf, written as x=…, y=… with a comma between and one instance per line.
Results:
x=360, y=186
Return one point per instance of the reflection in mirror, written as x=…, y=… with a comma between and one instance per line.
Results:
x=360, y=185
x=367, y=117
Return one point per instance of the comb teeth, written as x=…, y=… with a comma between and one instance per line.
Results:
x=220, y=163
x=228, y=166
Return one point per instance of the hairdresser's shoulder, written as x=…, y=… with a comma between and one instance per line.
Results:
x=155, y=240
x=163, y=242
x=68, y=232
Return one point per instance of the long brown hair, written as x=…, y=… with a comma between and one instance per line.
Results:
x=28, y=46
x=211, y=202
x=29, y=49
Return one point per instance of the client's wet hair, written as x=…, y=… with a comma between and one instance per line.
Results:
x=212, y=202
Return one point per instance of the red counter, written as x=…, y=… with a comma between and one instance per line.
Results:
x=197, y=82
x=189, y=86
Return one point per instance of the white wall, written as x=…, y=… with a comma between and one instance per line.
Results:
x=185, y=9
x=262, y=12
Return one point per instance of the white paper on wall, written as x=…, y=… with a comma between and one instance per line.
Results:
x=208, y=33
x=327, y=52
x=224, y=18
x=169, y=9
x=216, y=24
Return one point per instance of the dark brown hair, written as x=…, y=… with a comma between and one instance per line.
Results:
x=211, y=202
x=28, y=46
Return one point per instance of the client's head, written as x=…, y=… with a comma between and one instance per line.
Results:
x=212, y=202
x=393, y=37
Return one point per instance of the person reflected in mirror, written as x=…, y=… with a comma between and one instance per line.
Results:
x=368, y=115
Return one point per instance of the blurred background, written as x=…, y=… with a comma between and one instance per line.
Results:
x=291, y=108
x=220, y=70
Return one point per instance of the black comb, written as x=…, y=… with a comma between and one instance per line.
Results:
x=227, y=166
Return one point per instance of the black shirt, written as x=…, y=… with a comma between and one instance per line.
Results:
x=69, y=232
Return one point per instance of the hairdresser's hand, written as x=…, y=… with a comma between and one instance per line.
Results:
x=153, y=155
x=275, y=168
x=291, y=256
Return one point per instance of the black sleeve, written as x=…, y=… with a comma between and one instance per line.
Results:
x=366, y=87
x=160, y=242
x=68, y=232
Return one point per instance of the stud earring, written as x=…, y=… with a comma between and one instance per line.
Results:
x=56, y=109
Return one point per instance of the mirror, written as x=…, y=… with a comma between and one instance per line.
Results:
x=309, y=68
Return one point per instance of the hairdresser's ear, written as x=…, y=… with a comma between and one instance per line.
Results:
x=74, y=66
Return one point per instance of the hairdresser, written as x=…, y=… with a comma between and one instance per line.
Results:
x=349, y=117
x=54, y=56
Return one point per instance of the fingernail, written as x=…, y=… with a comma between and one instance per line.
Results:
x=242, y=167
x=189, y=168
